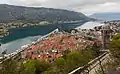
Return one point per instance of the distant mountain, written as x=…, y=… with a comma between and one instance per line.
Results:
x=10, y=12
x=106, y=16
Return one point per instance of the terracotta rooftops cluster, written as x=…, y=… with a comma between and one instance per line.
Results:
x=55, y=45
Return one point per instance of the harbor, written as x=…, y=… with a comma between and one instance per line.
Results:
x=7, y=56
x=22, y=36
x=52, y=46
x=36, y=41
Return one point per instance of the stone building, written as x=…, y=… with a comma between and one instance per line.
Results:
x=106, y=36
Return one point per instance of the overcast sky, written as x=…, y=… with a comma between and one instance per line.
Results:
x=85, y=6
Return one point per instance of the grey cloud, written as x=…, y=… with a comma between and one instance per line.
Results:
x=77, y=5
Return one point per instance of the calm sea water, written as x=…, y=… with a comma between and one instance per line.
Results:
x=90, y=25
x=22, y=36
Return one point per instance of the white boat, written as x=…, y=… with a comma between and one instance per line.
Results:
x=33, y=42
x=1, y=58
x=25, y=46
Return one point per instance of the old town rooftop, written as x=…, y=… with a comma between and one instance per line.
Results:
x=54, y=46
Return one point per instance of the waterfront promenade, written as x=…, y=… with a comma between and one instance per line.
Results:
x=19, y=51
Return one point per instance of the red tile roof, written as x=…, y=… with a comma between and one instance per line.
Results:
x=57, y=42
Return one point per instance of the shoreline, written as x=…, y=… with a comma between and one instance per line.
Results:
x=29, y=45
x=37, y=39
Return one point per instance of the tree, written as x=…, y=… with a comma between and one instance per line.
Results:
x=36, y=66
x=89, y=53
x=41, y=66
x=75, y=59
x=115, y=47
x=60, y=62
x=30, y=67
x=11, y=67
x=65, y=53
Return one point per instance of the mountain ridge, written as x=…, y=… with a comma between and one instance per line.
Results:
x=12, y=12
x=108, y=16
